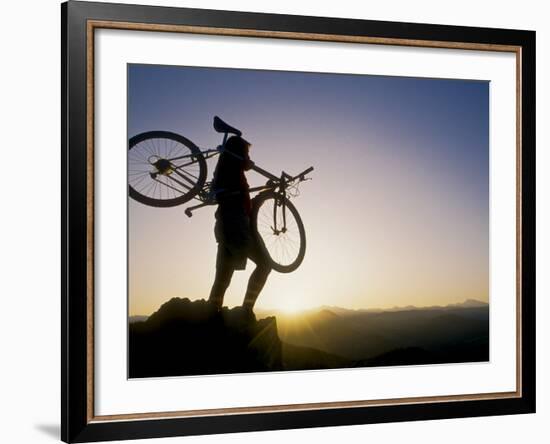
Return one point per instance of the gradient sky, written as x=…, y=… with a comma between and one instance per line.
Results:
x=397, y=212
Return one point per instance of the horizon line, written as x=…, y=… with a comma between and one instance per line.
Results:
x=326, y=307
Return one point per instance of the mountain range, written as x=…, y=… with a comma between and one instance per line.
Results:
x=446, y=334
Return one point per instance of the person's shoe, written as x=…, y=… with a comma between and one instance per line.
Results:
x=241, y=317
x=248, y=313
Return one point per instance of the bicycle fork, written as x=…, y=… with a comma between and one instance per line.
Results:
x=276, y=231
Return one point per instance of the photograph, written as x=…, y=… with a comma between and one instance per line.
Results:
x=297, y=221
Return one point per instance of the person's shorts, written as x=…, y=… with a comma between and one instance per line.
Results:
x=236, y=244
x=228, y=257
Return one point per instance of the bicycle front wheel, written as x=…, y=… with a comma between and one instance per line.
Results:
x=279, y=230
x=164, y=169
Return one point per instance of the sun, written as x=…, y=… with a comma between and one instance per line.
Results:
x=292, y=306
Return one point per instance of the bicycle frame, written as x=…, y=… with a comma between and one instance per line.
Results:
x=273, y=183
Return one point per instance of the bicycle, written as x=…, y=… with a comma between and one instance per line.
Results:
x=166, y=169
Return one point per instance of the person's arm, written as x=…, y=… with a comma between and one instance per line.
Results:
x=247, y=162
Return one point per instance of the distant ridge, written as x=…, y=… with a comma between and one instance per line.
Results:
x=468, y=303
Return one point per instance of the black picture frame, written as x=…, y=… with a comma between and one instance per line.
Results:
x=77, y=425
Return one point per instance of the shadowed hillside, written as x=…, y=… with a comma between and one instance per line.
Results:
x=457, y=333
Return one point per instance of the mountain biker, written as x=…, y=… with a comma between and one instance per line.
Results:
x=232, y=230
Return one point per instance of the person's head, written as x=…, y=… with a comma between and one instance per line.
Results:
x=237, y=145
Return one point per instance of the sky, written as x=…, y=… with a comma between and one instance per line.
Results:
x=397, y=212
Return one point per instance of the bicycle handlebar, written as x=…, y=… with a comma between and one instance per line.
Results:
x=303, y=173
x=300, y=176
x=264, y=172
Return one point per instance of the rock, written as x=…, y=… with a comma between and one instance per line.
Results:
x=192, y=338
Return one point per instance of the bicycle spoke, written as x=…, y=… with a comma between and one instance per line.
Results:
x=146, y=188
x=135, y=184
x=172, y=187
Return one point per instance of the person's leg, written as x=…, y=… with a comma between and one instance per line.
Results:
x=256, y=282
x=224, y=273
x=257, y=279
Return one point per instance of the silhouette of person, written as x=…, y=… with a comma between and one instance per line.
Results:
x=236, y=243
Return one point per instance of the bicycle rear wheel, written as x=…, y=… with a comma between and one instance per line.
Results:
x=164, y=169
x=282, y=239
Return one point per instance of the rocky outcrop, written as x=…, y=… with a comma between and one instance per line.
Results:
x=192, y=338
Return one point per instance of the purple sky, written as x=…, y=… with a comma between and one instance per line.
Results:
x=397, y=212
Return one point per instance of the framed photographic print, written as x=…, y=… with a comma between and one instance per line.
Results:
x=276, y=221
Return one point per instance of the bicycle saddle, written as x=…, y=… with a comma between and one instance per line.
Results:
x=221, y=127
